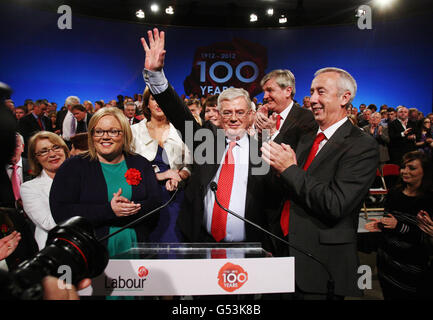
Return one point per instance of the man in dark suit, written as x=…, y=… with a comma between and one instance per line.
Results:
x=226, y=154
x=402, y=135
x=326, y=181
x=288, y=121
x=34, y=122
x=82, y=116
x=286, y=124
x=129, y=112
x=12, y=216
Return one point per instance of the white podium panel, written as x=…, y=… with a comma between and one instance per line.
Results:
x=165, y=277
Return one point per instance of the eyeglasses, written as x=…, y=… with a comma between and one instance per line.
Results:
x=239, y=114
x=111, y=133
x=46, y=151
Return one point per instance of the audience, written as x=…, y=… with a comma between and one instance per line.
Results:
x=380, y=134
x=402, y=135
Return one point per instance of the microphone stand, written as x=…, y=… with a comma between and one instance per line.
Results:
x=181, y=184
x=331, y=283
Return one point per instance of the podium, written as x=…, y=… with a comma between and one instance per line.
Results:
x=183, y=269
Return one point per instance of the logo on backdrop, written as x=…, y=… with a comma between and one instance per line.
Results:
x=238, y=63
x=231, y=277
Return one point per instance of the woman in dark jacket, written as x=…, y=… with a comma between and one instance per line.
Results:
x=403, y=253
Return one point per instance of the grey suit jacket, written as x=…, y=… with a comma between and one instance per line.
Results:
x=325, y=205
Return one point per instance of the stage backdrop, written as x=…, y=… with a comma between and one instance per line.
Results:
x=99, y=59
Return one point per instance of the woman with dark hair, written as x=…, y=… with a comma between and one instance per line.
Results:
x=156, y=139
x=424, y=138
x=403, y=252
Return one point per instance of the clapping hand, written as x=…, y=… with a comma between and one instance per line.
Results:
x=8, y=244
x=155, y=53
x=278, y=156
x=122, y=207
x=425, y=223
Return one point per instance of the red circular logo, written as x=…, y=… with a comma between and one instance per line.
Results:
x=142, y=272
x=231, y=277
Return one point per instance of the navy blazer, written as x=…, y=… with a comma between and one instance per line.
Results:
x=79, y=189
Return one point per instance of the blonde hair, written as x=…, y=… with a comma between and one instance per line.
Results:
x=124, y=125
x=35, y=166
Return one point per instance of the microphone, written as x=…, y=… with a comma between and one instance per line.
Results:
x=180, y=185
x=331, y=283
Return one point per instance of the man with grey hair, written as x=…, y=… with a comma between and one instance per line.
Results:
x=325, y=182
x=227, y=156
x=66, y=120
x=287, y=120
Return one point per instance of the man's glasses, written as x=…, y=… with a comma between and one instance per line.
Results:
x=111, y=133
x=44, y=152
x=239, y=114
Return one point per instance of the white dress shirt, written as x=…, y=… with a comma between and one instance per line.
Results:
x=67, y=124
x=235, y=227
x=329, y=132
x=35, y=195
x=9, y=170
x=178, y=155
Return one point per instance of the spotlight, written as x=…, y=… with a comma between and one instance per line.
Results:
x=140, y=14
x=384, y=3
x=270, y=12
x=253, y=17
x=169, y=10
x=154, y=8
x=282, y=19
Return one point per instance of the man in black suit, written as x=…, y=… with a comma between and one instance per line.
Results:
x=129, y=112
x=288, y=121
x=200, y=219
x=402, y=135
x=82, y=117
x=34, y=122
x=286, y=124
x=326, y=181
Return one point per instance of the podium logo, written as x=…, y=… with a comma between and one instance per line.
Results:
x=231, y=277
x=142, y=272
x=123, y=283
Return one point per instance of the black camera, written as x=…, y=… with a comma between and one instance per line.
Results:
x=71, y=243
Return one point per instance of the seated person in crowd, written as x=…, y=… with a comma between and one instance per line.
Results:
x=110, y=185
x=195, y=107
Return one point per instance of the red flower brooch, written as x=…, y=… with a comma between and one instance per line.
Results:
x=133, y=177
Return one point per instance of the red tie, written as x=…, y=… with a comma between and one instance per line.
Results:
x=225, y=183
x=16, y=182
x=40, y=123
x=284, y=221
x=278, y=122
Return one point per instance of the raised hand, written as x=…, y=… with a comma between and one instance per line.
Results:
x=155, y=53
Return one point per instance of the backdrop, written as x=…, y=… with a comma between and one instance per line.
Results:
x=99, y=59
